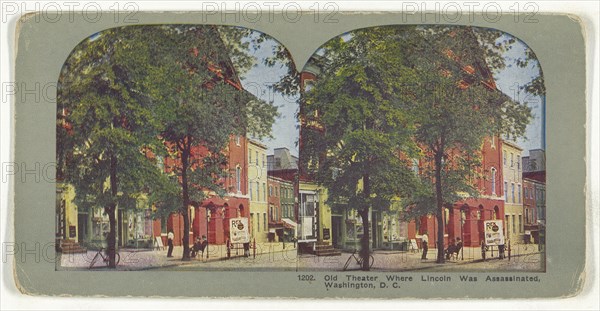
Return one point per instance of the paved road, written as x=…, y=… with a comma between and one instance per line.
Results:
x=273, y=257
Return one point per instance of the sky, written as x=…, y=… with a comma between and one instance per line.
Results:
x=509, y=80
x=285, y=131
x=258, y=81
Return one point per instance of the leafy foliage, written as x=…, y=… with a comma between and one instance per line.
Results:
x=135, y=96
x=386, y=95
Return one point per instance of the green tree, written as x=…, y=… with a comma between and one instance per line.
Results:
x=459, y=107
x=201, y=104
x=356, y=137
x=105, y=125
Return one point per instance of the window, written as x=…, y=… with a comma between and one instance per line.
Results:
x=507, y=224
x=505, y=191
x=446, y=216
x=264, y=161
x=250, y=157
x=514, y=230
x=258, y=222
x=512, y=159
x=264, y=191
x=163, y=224
x=250, y=190
x=270, y=191
x=238, y=178
x=253, y=225
x=493, y=181
x=415, y=166
x=257, y=191
x=526, y=192
x=237, y=140
x=512, y=191
x=519, y=193
x=518, y=162
x=256, y=153
x=504, y=157
x=265, y=221
x=531, y=220
x=520, y=223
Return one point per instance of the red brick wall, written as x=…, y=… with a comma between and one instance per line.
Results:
x=274, y=200
x=237, y=157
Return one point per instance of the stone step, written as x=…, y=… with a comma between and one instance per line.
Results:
x=73, y=250
x=324, y=247
x=71, y=247
x=329, y=253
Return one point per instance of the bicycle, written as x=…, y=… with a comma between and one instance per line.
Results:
x=358, y=260
x=106, y=258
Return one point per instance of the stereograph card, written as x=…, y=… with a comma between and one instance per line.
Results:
x=366, y=155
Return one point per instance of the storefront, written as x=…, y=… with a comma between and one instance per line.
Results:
x=139, y=230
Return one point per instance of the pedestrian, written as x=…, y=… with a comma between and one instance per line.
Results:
x=170, y=238
x=501, y=249
x=424, y=242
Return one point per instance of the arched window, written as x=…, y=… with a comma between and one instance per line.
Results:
x=493, y=180
x=238, y=178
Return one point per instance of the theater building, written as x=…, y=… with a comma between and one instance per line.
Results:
x=464, y=219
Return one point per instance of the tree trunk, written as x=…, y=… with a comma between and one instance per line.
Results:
x=364, y=214
x=185, y=154
x=112, y=237
x=440, y=207
x=112, y=234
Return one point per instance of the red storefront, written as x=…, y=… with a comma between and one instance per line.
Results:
x=464, y=219
x=211, y=216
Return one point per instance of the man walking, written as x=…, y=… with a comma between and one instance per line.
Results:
x=170, y=238
x=424, y=242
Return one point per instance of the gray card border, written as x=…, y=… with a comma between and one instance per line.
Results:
x=42, y=48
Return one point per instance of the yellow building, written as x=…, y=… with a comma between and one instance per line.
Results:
x=314, y=216
x=77, y=228
x=66, y=215
x=513, y=191
x=257, y=189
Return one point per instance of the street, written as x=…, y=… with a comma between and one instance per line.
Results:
x=273, y=257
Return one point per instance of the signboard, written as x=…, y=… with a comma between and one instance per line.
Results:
x=158, y=244
x=72, y=231
x=238, y=230
x=494, y=233
x=326, y=234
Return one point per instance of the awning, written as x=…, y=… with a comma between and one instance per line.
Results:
x=288, y=223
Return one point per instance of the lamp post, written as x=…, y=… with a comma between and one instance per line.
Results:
x=207, y=221
x=462, y=235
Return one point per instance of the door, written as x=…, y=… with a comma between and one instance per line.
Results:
x=336, y=230
x=82, y=227
x=308, y=216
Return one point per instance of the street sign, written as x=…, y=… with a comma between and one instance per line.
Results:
x=238, y=230
x=493, y=230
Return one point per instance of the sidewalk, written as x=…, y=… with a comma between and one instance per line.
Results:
x=273, y=256
x=523, y=257
x=142, y=259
